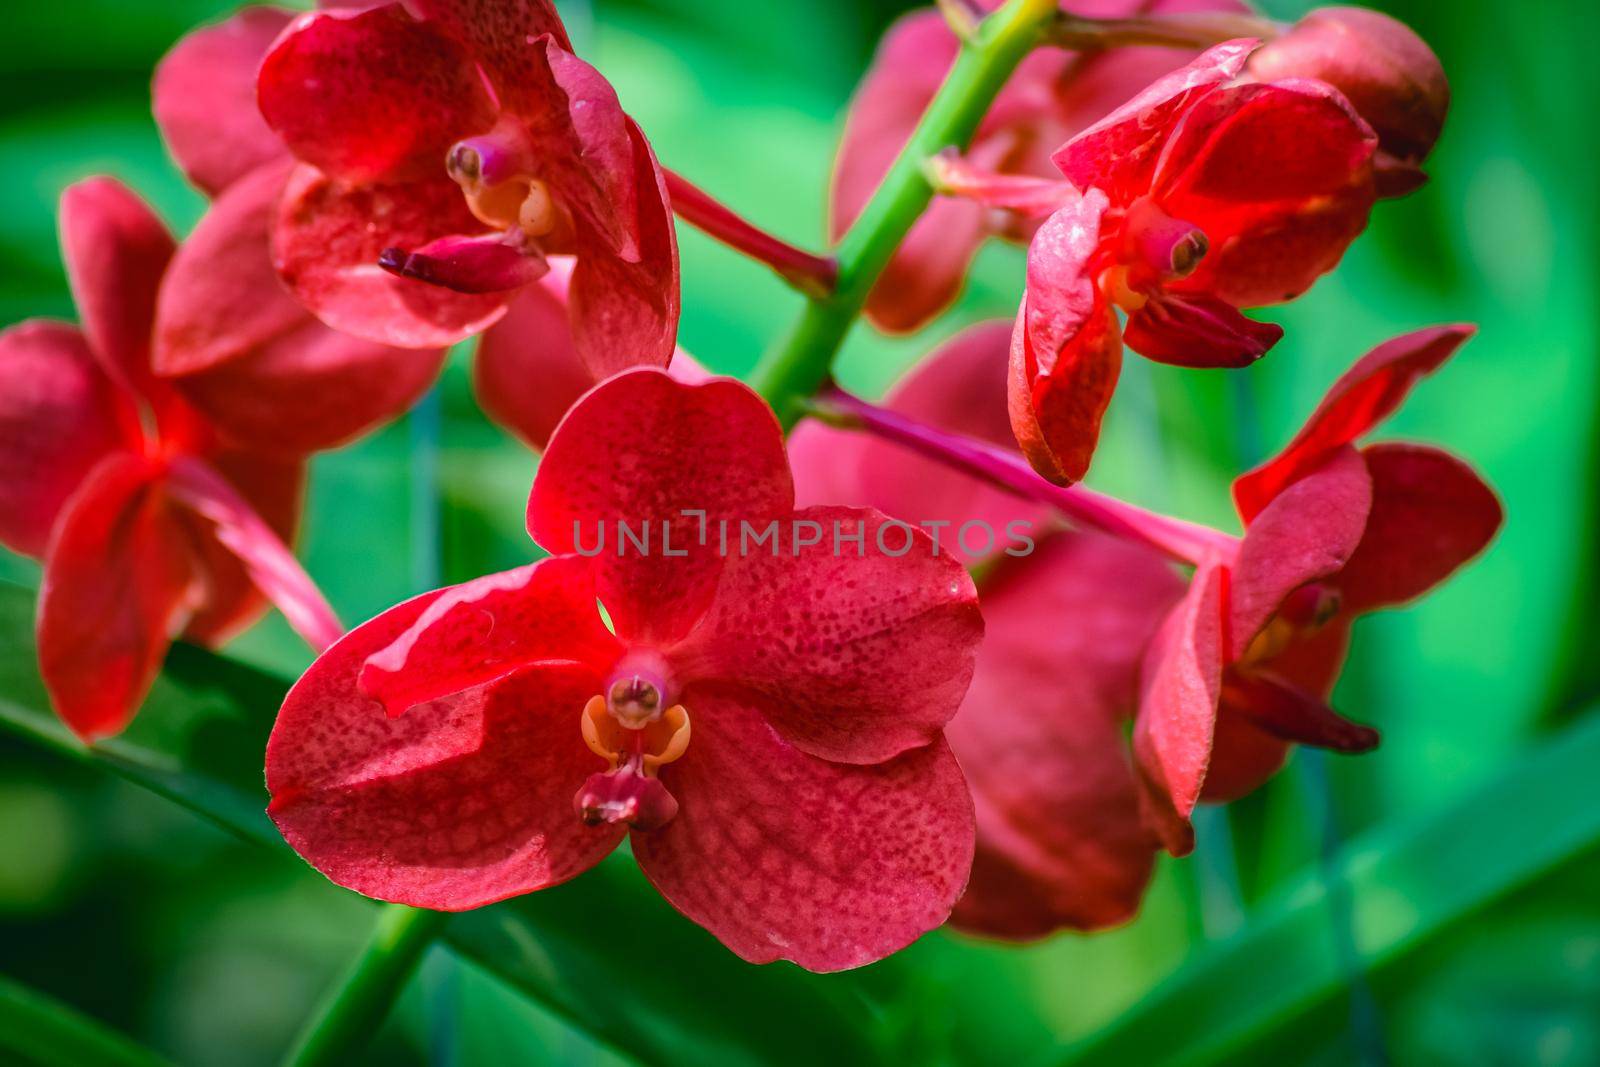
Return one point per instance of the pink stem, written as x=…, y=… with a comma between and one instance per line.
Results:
x=811, y=274
x=1186, y=542
x=270, y=564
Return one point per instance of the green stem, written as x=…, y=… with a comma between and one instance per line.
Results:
x=799, y=364
x=353, y=1012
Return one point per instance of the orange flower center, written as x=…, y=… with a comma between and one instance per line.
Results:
x=630, y=728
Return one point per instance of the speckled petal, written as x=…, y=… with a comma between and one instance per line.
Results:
x=329, y=238
x=643, y=448
x=854, y=650
x=490, y=628
x=785, y=856
x=372, y=95
x=459, y=803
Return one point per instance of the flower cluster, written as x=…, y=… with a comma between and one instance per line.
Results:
x=822, y=748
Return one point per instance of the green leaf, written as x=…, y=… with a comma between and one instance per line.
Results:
x=605, y=953
x=1402, y=884
x=37, y=1029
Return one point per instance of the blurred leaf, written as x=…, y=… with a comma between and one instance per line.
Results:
x=38, y=1030
x=604, y=952
x=1403, y=885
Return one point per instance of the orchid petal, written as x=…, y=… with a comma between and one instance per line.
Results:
x=1243, y=757
x=1119, y=153
x=1198, y=330
x=853, y=651
x=646, y=450
x=461, y=802
x=1040, y=736
x=372, y=95
x=116, y=587
x=1307, y=534
x=489, y=629
x=59, y=416
x=526, y=373
x=785, y=856
x=625, y=313
x=498, y=32
x=1181, y=684
x=1431, y=513
x=926, y=273
x=116, y=252
x=1365, y=395
x=327, y=244
x=230, y=600
x=1280, y=178
x=271, y=566
x=204, y=98
x=1066, y=352
x=245, y=353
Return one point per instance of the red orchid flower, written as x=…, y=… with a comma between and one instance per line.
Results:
x=242, y=350
x=766, y=725
x=150, y=519
x=459, y=143
x=1243, y=666
x=1383, y=68
x=1041, y=733
x=1052, y=96
x=1194, y=199
x=527, y=371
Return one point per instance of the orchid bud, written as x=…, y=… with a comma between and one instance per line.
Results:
x=1387, y=72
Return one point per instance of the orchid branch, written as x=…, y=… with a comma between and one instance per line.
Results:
x=1182, y=30
x=798, y=365
x=1181, y=541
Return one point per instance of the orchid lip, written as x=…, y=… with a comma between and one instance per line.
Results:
x=626, y=796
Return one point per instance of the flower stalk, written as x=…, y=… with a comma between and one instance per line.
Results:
x=348, y=1018
x=811, y=274
x=1181, y=541
x=1182, y=30
x=798, y=365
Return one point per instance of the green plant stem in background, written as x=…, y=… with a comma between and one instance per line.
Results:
x=36, y=1029
x=800, y=362
x=348, y=1019
x=1576, y=675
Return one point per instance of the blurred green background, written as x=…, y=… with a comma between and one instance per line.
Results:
x=1434, y=902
